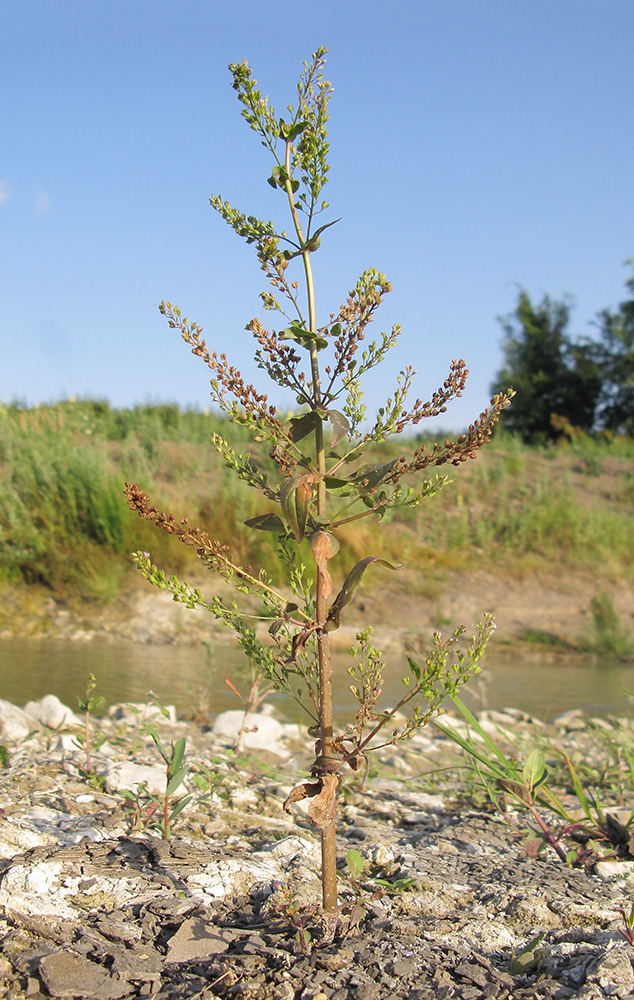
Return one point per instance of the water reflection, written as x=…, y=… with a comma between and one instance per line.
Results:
x=180, y=675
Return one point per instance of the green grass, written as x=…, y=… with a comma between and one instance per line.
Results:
x=64, y=522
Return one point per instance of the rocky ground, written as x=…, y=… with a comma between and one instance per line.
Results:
x=94, y=903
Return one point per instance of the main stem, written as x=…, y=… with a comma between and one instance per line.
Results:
x=328, y=831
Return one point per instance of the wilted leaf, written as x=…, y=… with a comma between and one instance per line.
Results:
x=322, y=808
x=304, y=791
x=515, y=788
x=299, y=641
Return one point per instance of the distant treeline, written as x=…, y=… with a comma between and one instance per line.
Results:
x=64, y=522
x=561, y=380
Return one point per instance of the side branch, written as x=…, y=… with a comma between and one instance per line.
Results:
x=212, y=553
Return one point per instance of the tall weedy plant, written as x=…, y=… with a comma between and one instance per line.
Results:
x=321, y=477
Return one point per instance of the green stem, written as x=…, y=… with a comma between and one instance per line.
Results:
x=87, y=741
x=328, y=832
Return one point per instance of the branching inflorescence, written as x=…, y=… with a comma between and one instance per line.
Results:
x=323, y=478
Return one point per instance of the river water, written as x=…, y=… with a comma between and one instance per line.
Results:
x=184, y=675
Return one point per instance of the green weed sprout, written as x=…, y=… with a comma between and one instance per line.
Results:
x=175, y=774
x=628, y=924
x=89, y=705
x=322, y=466
x=529, y=785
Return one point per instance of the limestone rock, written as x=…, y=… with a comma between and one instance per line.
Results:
x=129, y=776
x=261, y=732
x=15, y=724
x=50, y=712
x=15, y=839
x=68, y=975
x=195, y=940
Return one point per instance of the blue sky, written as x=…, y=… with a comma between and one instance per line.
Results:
x=475, y=145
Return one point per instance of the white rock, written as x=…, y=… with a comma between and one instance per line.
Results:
x=129, y=776
x=50, y=711
x=67, y=743
x=574, y=719
x=92, y=833
x=608, y=870
x=379, y=854
x=44, y=814
x=289, y=849
x=230, y=877
x=432, y=803
x=14, y=722
x=243, y=798
x=293, y=732
x=261, y=732
x=15, y=840
x=519, y=715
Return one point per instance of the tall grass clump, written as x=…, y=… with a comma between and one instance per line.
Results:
x=607, y=635
x=57, y=494
x=64, y=523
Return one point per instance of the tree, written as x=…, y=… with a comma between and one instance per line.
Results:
x=614, y=356
x=551, y=374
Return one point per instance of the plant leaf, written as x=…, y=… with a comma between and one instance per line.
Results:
x=179, y=753
x=415, y=668
x=535, y=772
x=267, y=522
x=178, y=808
x=350, y=587
x=340, y=427
x=372, y=475
x=288, y=494
x=355, y=863
x=295, y=496
x=176, y=780
x=303, y=425
x=160, y=746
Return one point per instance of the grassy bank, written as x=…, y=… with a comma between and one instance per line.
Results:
x=64, y=523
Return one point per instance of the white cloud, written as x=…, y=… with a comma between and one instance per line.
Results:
x=41, y=203
x=4, y=191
